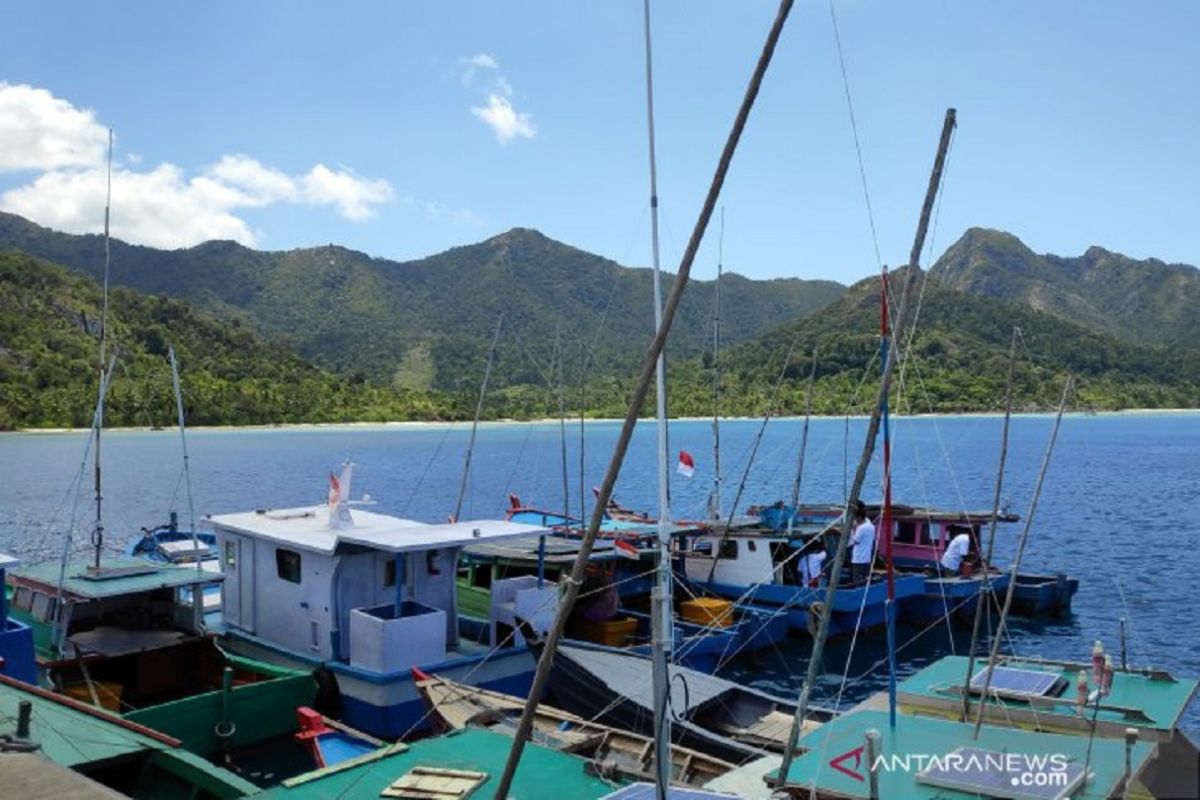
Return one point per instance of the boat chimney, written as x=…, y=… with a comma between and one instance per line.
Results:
x=24, y=713
x=1131, y=737
x=1097, y=662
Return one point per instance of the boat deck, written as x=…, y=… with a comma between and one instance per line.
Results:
x=1152, y=702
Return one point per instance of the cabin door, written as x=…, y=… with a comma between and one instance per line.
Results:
x=237, y=562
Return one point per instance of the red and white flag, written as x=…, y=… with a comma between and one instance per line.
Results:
x=687, y=467
x=335, y=493
x=626, y=548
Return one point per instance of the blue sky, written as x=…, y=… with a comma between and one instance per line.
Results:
x=402, y=129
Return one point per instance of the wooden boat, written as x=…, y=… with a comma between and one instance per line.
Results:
x=617, y=754
x=732, y=722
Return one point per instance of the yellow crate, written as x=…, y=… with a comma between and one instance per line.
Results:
x=613, y=632
x=709, y=611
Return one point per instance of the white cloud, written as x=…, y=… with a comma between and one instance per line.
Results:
x=504, y=120
x=499, y=114
x=42, y=132
x=162, y=206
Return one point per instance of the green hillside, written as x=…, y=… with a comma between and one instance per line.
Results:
x=1142, y=302
x=49, y=323
x=426, y=324
x=959, y=360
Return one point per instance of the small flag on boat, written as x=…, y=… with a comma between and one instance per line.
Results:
x=687, y=467
x=335, y=492
x=626, y=548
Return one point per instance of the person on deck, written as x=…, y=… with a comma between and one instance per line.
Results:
x=862, y=543
x=956, y=552
x=810, y=568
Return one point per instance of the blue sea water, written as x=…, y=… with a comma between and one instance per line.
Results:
x=1115, y=511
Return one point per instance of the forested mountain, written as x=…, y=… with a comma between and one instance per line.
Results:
x=427, y=323
x=49, y=326
x=1143, y=302
x=958, y=358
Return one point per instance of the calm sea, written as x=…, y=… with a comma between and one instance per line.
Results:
x=1114, y=511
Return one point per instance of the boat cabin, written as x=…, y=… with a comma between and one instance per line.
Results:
x=748, y=556
x=372, y=591
x=920, y=535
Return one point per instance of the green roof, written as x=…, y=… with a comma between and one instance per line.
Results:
x=928, y=737
x=542, y=775
x=1160, y=698
x=75, y=736
x=127, y=576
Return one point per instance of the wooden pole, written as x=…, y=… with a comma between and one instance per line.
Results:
x=642, y=386
x=487, y=374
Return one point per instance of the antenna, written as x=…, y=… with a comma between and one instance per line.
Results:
x=98, y=530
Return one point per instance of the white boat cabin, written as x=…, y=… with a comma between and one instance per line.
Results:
x=374, y=591
x=746, y=557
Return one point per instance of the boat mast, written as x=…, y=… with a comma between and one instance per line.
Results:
x=714, y=499
x=1016, y=564
x=981, y=605
x=662, y=625
x=860, y=473
x=889, y=605
x=808, y=395
x=637, y=397
x=98, y=530
x=487, y=374
x=187, y=473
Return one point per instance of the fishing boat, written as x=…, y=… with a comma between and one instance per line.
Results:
x=456, y=765
x=724, y=719
x=77, y=750
x=919, y=539
x=617, y=753
x=758, y=567
x=363, y=596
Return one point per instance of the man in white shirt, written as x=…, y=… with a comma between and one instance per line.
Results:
x=958, y=549
x=862, y=543
x=810, y=568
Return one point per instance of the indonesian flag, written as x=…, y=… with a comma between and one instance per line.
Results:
x=335, y=492
x=339, y=498
x=626, y=548
x=687, y=467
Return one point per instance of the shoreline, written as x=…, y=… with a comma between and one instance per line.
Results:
x=417, y=424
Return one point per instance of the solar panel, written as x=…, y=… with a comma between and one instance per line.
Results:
x=1018, y=684
x=645, y=791
x=1011, y=776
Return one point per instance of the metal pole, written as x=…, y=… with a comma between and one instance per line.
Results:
x=1012, y=582
x=187, y=474
x=812, y=378
x=98, y=531
x=641, y=387
x=1124, y=661
x=714, y=500
x=662, y=619
x=981, y=605
x=886, y=523
x=873, y=750
x=487, y=373
x=860, y=475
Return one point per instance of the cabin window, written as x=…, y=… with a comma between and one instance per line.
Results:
x=912, y=532
x=314, y=631
x=43, y=606
x=482, y=576
x=751, y=545
x=21, y=598
x=702, y=546
x=389, y=572
x=287, y=565
x=231, y=554
x=729, y=548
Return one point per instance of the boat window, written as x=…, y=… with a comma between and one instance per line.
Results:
x=482, y=577
x=22, y=597
x=729, y=548
x=287, y=565
x=702, y=546
x=43, y=606
x=314, y=631
x=231, y=554
x=389, y=572
x=751, y=545
x=909, y=532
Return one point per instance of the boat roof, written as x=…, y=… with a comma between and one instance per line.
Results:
x=934, y=739
x=525, y=549
x=118, y=576
x=75, y=735
x=9, y=562
x=1153, y=700
x=629, y=676
x=308, y=528
x=543, y=774
x=648, y=791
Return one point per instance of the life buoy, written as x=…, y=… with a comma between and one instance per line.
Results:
x=815, y=611
x=329, y=695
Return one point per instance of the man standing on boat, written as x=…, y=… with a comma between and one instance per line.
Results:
x=862, y=542
x=957, y=551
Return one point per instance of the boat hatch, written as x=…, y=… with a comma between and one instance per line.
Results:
x=110, y=573
x=1019, y=684
x=989, y=773
x=433, y=783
